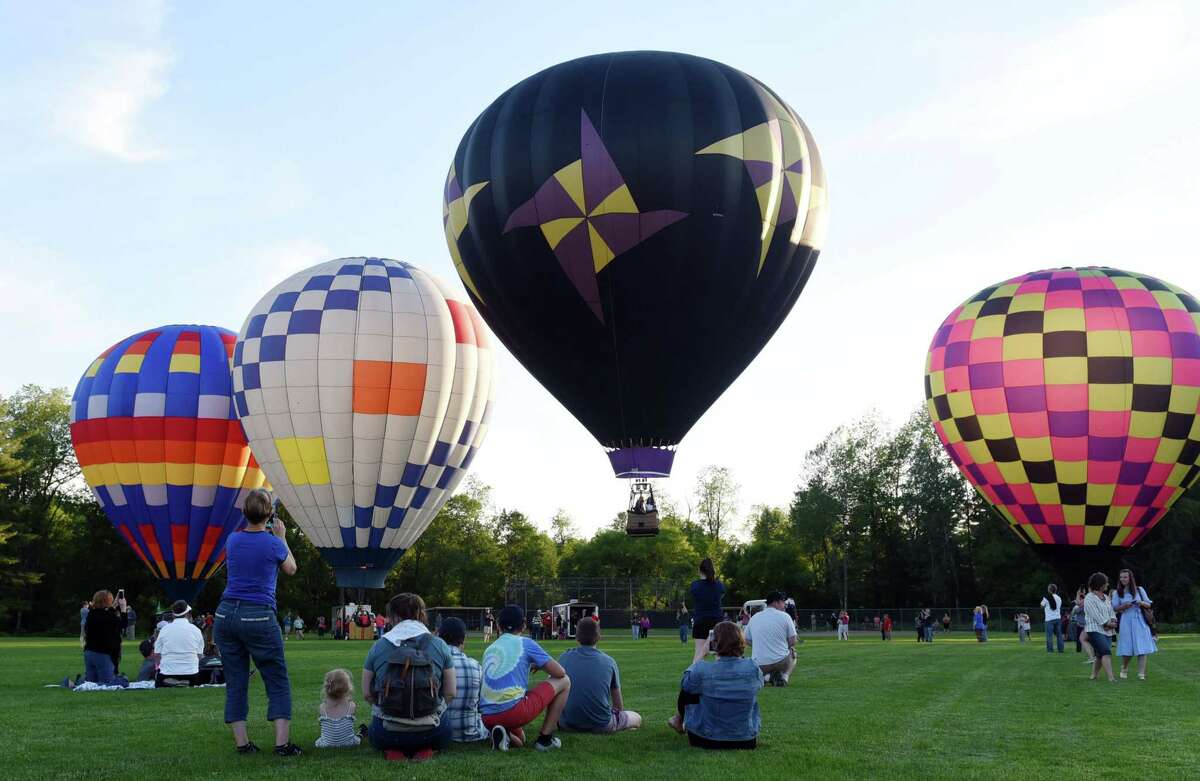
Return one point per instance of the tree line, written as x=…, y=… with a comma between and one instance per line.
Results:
x=879, y=518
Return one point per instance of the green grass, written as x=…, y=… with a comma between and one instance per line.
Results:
x=858, y=709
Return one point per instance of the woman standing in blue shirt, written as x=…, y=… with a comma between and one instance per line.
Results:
x=718, y=701
x=706, y=609
x=247, y=626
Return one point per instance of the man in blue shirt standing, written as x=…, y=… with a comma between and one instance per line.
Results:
x=595, y=703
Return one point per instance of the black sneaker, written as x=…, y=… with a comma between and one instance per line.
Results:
x=289, y=749
x=362, y=731
x=248, y=748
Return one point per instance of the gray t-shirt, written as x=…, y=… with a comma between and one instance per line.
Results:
x=593, y=676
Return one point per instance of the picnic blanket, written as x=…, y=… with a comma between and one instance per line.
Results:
x=95, y=687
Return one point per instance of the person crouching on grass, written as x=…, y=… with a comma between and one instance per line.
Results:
x=718, y=701
x=595, y=703
x=506, y=701
x=772, y=635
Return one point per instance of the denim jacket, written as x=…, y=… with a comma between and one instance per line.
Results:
x=728, y=690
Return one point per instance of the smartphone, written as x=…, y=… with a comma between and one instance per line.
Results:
x=120, y=593
x=712, y=636
x=271, y=522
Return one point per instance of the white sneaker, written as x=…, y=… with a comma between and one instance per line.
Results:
x=1124, y=674
x=553, y=744
x=499, y=738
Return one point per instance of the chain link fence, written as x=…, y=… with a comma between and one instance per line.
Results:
x=619, y=600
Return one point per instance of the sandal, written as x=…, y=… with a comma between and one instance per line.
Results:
x=248, y=748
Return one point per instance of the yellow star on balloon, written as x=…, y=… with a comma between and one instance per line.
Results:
x=456, y=204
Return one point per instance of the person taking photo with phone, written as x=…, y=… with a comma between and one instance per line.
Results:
x=102, y=632
x=247, y=626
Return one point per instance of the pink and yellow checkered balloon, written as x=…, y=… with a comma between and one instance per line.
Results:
x=1069, y=399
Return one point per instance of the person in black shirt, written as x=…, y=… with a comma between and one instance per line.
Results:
x=102, y=633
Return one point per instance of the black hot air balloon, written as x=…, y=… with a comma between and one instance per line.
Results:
x=634, y=227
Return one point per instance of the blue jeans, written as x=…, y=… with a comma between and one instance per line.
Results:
x=245, y=631
x=98, y=668
x=410, y=743
x=683, y=632
x=928, y=632
x=1054, y=631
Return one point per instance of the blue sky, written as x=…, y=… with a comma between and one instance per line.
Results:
x=170, y=163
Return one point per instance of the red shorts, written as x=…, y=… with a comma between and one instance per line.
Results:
x=526, y=710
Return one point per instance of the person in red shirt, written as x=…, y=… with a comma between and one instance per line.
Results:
x=843, y=629
x=380, y=624
x=547, y=625
x=885, y=628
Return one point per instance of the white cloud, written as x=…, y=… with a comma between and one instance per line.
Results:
x=103, y=110
x=101, y=98
x=1093, y=67
x=51, y=321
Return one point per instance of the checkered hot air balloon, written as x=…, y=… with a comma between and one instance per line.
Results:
x=365, y=388
x=156, y=436
x=1069, y=399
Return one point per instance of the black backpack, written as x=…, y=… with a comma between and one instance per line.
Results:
x=410, y=688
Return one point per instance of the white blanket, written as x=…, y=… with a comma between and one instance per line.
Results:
x=95, y=687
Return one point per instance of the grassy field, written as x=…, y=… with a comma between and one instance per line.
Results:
x=857, y=709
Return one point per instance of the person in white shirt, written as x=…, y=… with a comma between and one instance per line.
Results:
x=772, y=634
x=180, y=645
x=1052, y=607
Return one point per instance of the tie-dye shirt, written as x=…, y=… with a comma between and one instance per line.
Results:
x=506, y=665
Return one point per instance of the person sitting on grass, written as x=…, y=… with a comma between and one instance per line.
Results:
x=506, y=701
x=407, y=677
x=773, y=637
x=179, y=646
x=336, y=713
x=462, y=711
x=595, y=703
x=718, y=701
x=149, y=663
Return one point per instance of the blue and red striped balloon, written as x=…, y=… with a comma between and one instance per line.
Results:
x=159, y=443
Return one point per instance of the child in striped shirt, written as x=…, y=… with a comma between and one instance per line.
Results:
x=337, y=711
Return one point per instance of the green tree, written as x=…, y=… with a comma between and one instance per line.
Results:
x=38, y=468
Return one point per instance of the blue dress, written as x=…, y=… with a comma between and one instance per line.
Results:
x=1134, y=638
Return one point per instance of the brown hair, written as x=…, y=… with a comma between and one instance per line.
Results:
x=338, y=685
x=1098, y=581
x=708, y=570
x=587, y=632
x=257, y=506
x=102, y=599
x=1133, y=586
x=407, y=607
x=728, y=640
